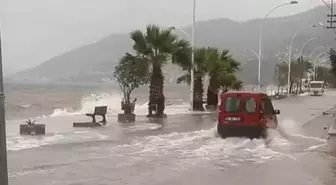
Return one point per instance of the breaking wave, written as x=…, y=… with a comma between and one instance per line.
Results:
x=112, y=100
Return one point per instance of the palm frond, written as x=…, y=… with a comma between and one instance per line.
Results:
x=140, y=44
x=181, y=54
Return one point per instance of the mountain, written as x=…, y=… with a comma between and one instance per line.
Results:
x=96, y=61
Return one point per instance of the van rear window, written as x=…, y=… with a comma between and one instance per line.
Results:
x=231, y=104
x=250, y=105
x=238, y=104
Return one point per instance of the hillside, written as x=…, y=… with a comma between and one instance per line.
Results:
x=95, y=61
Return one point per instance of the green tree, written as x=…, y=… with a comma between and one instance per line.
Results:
x=155, y=47
x=299, y=69
x=130, y=74
x=222, y=69
x=332, y=57
x=230, y=82
x=324, y=73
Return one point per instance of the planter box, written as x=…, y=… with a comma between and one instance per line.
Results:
x=211, y=108
x=86, y=124
x=35, y=129
x=126, y=118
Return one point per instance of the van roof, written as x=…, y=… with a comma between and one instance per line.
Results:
x=244, y=93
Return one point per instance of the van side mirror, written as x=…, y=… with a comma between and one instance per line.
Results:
x=277, y=111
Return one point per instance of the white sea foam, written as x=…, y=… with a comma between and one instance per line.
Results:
x=112, y=100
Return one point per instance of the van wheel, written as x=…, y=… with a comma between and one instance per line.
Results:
x=221, y=132
x=264, y=134
x=260, y=133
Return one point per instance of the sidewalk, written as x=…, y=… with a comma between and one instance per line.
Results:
x=316, y=127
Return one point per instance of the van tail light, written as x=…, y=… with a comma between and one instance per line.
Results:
x=263, y=121
x=261, y=115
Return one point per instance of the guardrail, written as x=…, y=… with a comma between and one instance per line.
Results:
x=332, y=128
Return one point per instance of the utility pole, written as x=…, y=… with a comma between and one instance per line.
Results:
x=3, y=143
x=331, y=17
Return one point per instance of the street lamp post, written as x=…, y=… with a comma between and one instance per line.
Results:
x=300, y=56
x=283, y=60
x=192, y=69
x=303, y=45
x=182, y=31
x=3, y=148
x=290, y=55
x=315, y=62
x=192, y=58
x=255, y=54
x=311, y=54
x=260, y=37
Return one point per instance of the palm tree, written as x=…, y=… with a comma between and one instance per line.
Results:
x=201, y=59
x=222, y=70
x=298, y=69
x=230, y=81
x=155, y=47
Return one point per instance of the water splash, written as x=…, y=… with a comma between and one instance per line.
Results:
x=112, y=100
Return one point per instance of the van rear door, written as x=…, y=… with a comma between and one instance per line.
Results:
x=239, y=110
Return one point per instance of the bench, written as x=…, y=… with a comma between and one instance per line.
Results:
x=98, y=111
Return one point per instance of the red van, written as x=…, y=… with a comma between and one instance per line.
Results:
x=245, y=114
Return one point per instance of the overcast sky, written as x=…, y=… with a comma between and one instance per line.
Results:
x=36, y=30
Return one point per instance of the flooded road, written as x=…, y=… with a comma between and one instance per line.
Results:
x=182, y=149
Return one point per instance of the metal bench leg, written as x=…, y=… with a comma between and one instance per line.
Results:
x=93, y=119
x=104, y=119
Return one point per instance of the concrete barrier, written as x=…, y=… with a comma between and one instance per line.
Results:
x=332, y=136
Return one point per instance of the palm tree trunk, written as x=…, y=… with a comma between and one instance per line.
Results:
x=301, y=76
x=156, y=97
x=290, y=87
x=198, y=95
x=212, y=94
